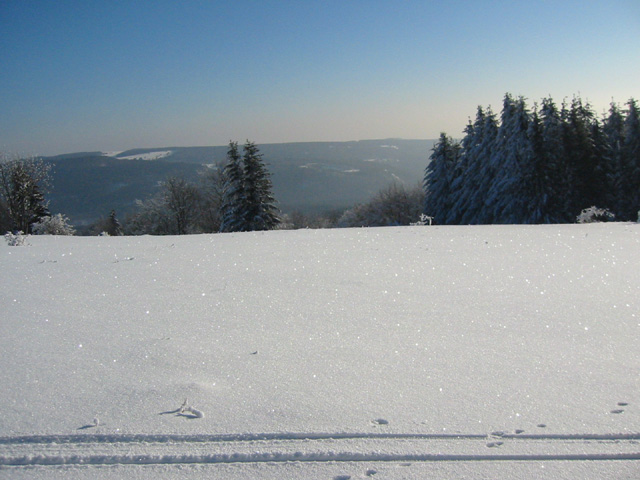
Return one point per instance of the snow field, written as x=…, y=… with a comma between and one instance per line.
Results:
x=512, y=341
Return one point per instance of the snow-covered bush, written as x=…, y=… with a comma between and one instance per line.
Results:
x=424, y=220
x=16, y=240
x=53, y=225
x=395, y=205
x=595, y=214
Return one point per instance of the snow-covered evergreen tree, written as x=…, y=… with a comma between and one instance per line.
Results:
x=556, y=177
x=233, y=195
x=247, y=201
x=507, y=202
x=260, y=212
x=477, y=211
x=587, y=183
x=438, y=177
x=461, y=175
x=631, y=163
x=476, y=177
x=613, y=131
x=113, y=227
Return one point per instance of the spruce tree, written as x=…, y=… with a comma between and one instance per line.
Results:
x=438, y=178
x=477, y=211
x=613, y=131
x=233, y=195
x=260, y=212
x=586, y=183
x=113, y=227
x=507, y=202
x=555, y=172
x=631, y=162
x=461, y=176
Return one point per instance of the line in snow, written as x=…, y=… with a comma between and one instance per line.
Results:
x=56, y=450
x=244, y=437
x=294, y=457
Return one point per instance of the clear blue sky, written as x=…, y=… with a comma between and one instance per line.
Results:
x=112, y=75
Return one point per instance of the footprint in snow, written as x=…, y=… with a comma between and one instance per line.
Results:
x=494, y=444
x=622, y=404
x=380, y=421
x=617, y=411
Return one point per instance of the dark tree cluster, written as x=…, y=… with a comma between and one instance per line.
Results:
x=247, y=202
x=543, y=165
x=235, y=197
x=23, y=183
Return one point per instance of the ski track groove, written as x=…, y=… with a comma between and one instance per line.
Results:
x=143, y=449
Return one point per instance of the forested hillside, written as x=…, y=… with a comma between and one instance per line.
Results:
x=537, y=165
x=307, y=177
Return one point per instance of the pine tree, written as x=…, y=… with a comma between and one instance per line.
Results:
x=587, y=184
x=233, y=196
x=461, y=176
x=613, y=130
x=477, y=211
x=631, y=162
x=556, y=176
x=438, y=177
x=507, y=202
x=476, y=146
x=113, y=227
x=247, y=201
x=260, y=212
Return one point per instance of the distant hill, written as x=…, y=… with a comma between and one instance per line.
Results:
x=307, y=176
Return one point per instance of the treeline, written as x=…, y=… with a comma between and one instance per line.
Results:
x=540, y=165
x=234, y=197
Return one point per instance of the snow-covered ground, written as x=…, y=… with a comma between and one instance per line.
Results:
x=411, y=352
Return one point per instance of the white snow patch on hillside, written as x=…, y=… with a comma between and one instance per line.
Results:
x=412, y=352
x=148, y=156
